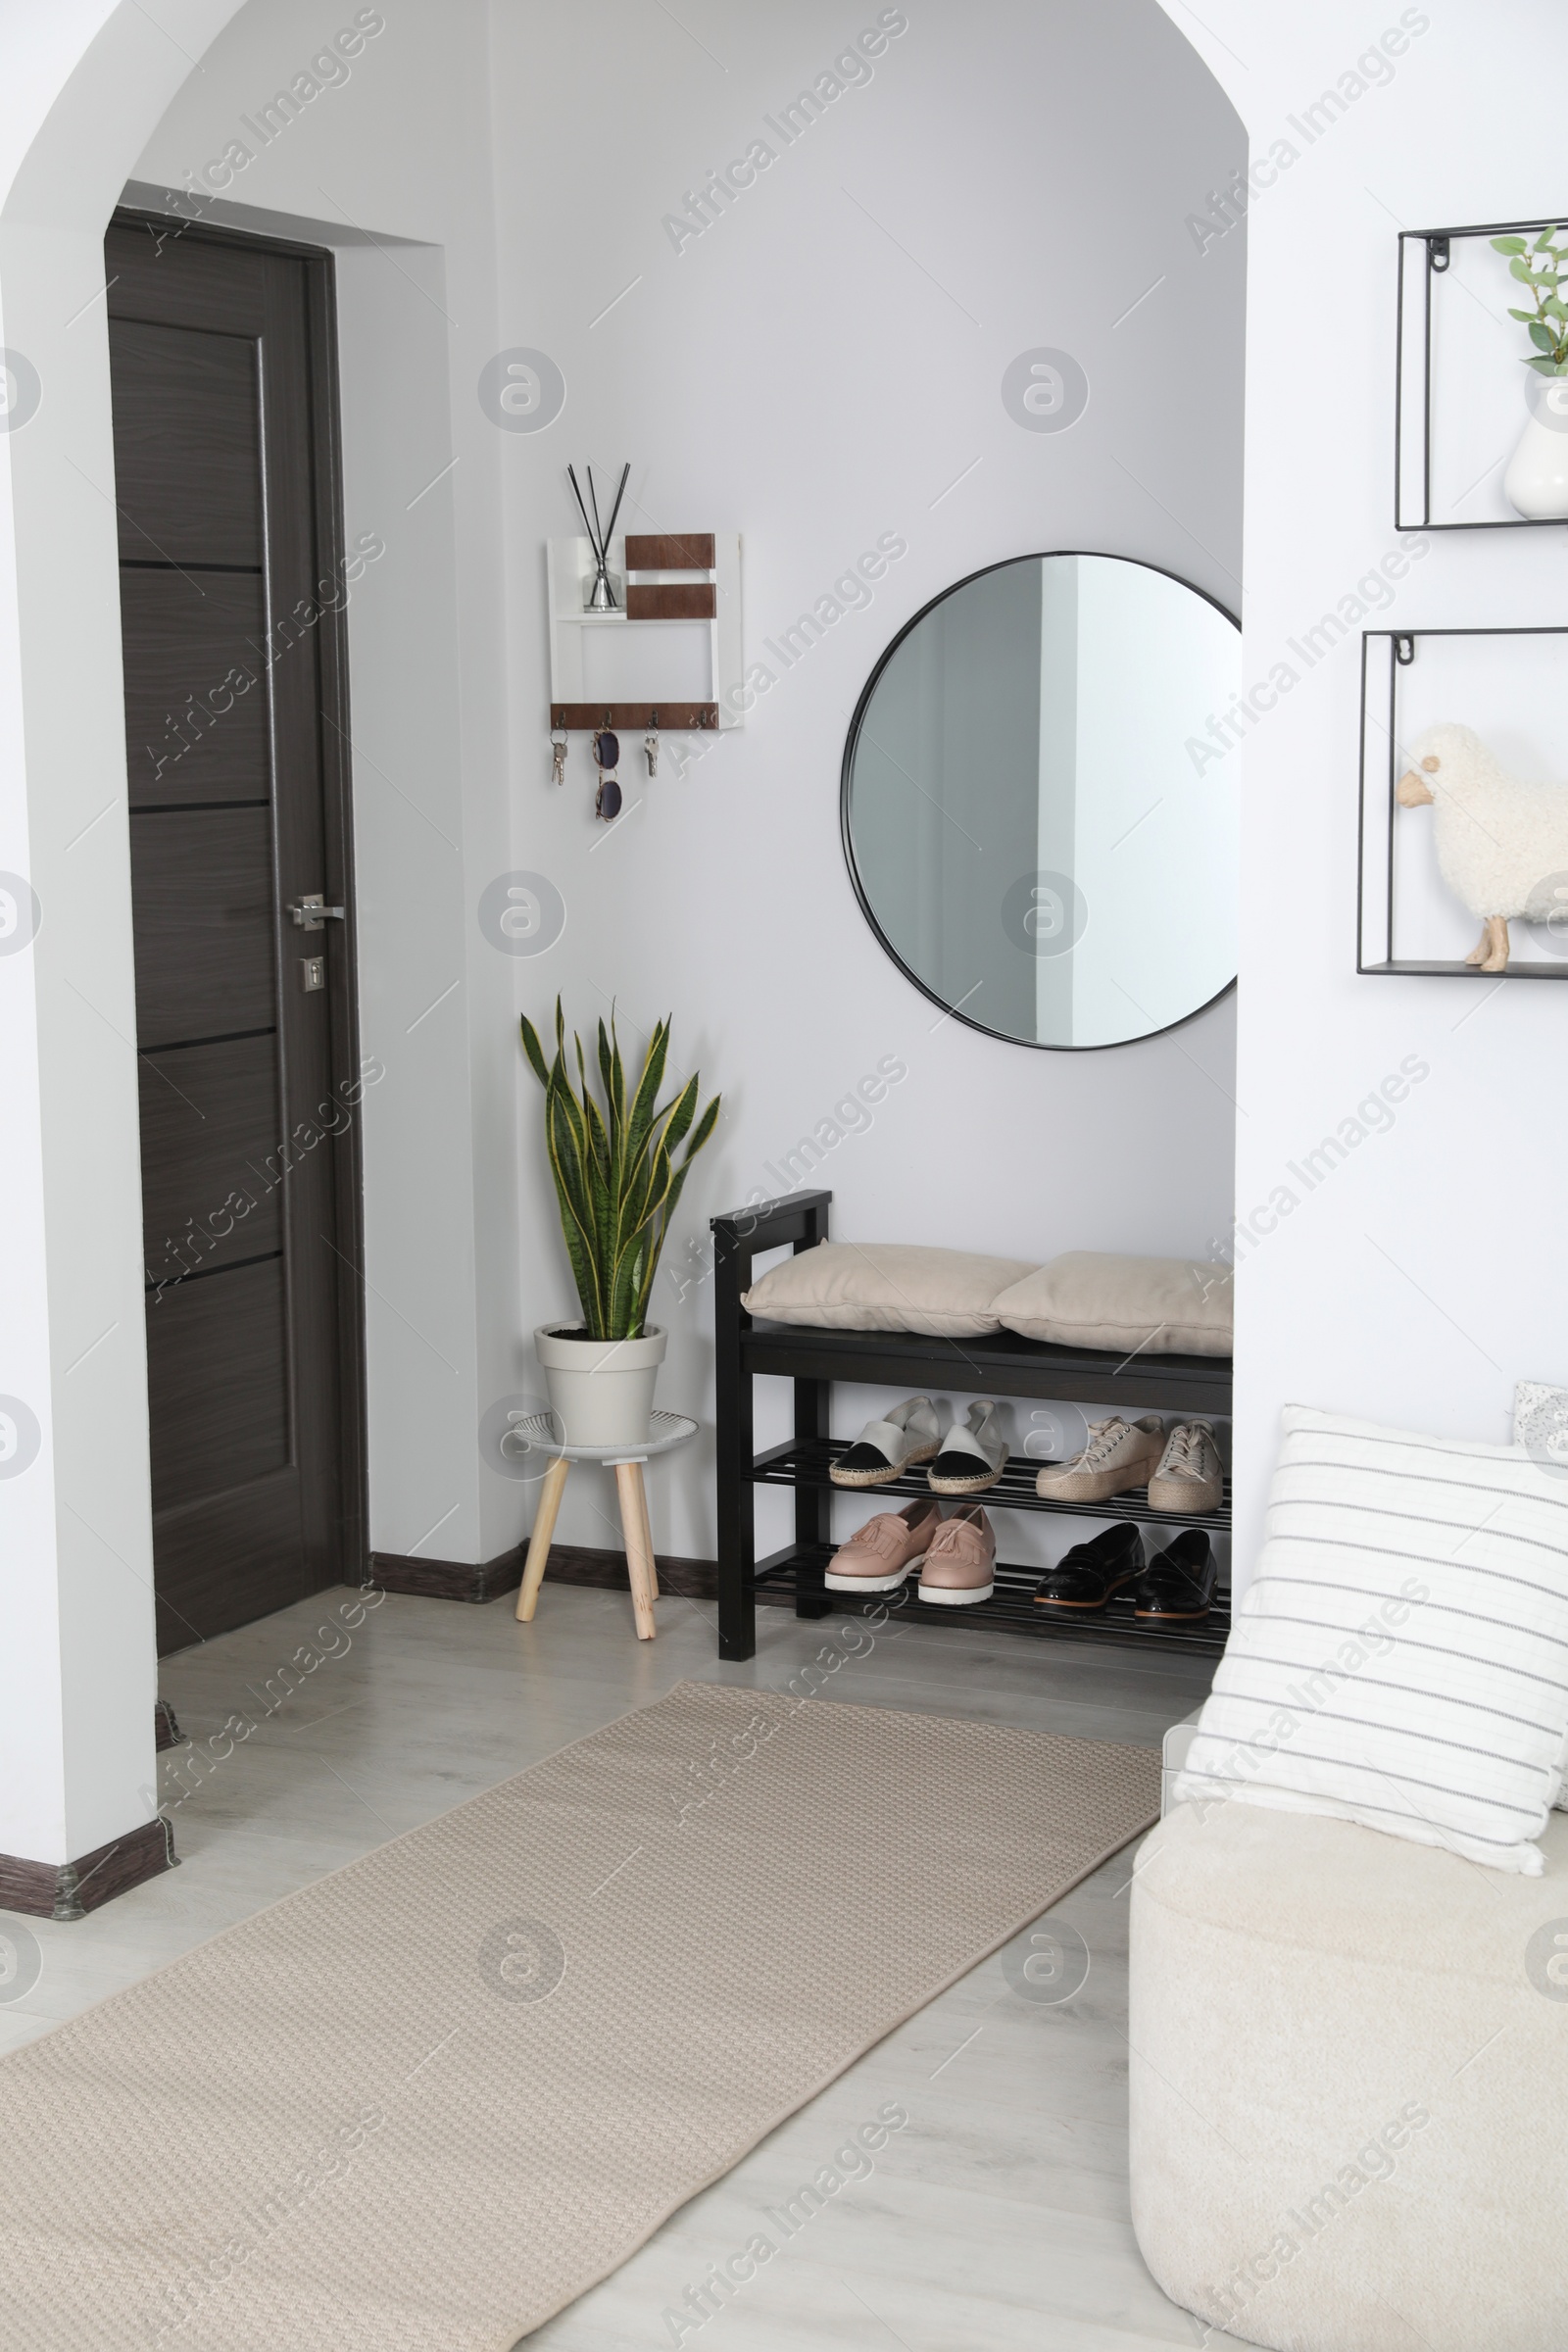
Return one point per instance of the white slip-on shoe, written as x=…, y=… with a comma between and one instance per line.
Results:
x=1191, y=1477
x=1119, y=1454
x=911, y=1433
x=972, y=1455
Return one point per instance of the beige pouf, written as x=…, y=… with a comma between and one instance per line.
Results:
x=1349, y=2085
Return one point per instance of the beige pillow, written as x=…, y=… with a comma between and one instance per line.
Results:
x=1094, y=1299
x=885, y=1286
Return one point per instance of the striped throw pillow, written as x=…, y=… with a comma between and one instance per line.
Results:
x=1400, y=1658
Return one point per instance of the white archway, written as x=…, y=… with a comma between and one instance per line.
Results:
x=86, y=86
x=77, y=1683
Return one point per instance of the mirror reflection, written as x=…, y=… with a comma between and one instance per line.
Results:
x=1039, y=821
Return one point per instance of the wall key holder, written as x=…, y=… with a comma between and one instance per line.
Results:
x=668, y=660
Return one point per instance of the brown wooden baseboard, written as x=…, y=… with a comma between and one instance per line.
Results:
x=694, y=1579
x=166, y=1727
x=448, y=1580
x=71, y=1890
x=586, y=1564
x=570, y=1564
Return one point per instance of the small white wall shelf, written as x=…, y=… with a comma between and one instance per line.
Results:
x=671, y=657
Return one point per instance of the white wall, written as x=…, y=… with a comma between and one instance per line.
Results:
x=793, y=373
x=823, y=368
x=1424, y=1276
x=822, y=365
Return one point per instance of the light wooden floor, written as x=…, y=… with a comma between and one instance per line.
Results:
x=995, y=2221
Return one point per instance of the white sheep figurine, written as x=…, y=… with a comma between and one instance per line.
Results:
x=1502, y=845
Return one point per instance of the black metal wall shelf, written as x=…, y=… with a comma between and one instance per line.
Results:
x=1413, y=969
x=1395, y=666
x=1000, y=1366
x=1426, y=257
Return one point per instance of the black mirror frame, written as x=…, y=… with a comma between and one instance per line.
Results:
x=1029, y=1044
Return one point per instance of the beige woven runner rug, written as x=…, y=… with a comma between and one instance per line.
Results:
x=424, y=2103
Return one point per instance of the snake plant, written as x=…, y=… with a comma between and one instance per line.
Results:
x=617, y=1180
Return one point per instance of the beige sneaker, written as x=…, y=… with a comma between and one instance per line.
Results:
x=1190, y=1477
x=961, y=1560
x=1119, y=1454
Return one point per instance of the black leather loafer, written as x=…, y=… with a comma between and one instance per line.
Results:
x=1089, y=1575
x=1178, y=1585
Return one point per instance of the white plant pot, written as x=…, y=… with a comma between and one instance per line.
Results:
x=1535, y=484
x=601, y=1390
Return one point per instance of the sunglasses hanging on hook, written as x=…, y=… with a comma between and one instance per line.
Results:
x=607, y=752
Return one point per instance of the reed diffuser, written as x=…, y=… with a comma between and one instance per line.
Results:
x=600, y=593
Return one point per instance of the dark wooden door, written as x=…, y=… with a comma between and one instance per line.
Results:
x=232, y=582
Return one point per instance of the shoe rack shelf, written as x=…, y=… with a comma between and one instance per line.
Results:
x=798, y=1569
x=809, y=1464
x=1002, y=1365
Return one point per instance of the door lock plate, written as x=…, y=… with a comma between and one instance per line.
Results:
x=313, y=972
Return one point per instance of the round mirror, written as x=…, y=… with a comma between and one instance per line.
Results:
x=1039, y=807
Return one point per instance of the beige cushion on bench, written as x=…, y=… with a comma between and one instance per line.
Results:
x=1349, y=2070
x=1097, y=1298
x=885, y=1286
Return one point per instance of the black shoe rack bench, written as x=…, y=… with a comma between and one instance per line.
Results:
x=1003, y=1365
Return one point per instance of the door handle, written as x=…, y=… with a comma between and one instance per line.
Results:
x=310, y=914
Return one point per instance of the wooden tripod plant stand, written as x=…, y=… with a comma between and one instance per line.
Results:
x=666, y=1431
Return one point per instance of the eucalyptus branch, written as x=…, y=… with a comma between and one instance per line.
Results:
x=1548, y=324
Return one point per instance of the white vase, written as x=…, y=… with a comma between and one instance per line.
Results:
x=1535, y=484
x=601, y=1390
